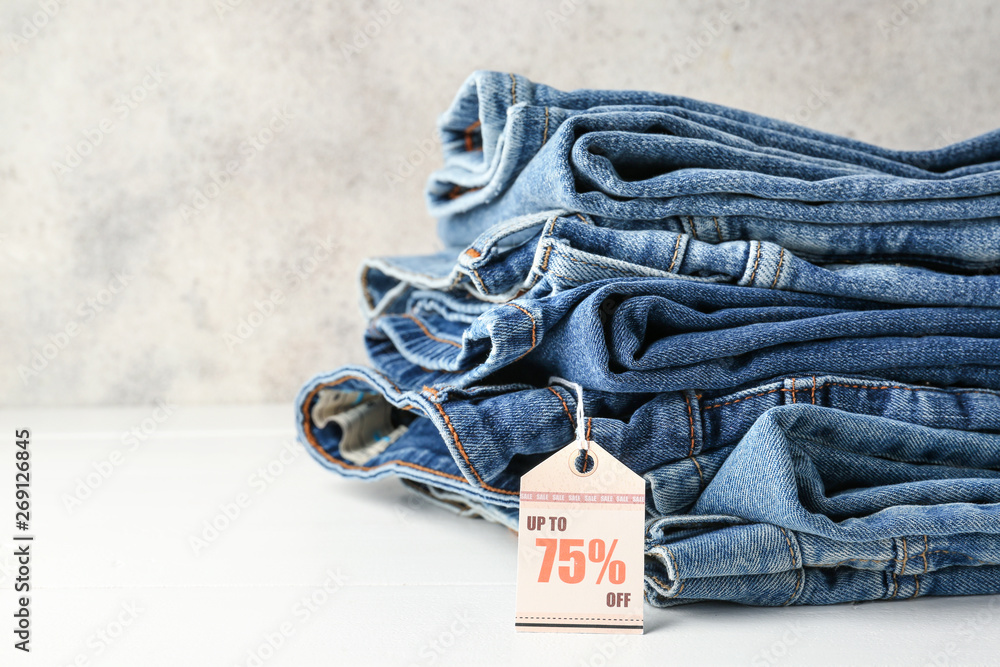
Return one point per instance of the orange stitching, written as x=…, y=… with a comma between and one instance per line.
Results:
x=793, y=390
x=472, y=252
x=551, y=226
x=513, y=88
x=428, y=333
x=697, y=465
x=533, y=339
x=694, y=232
x=789, y=543
x=461, y=450
x=906, y=557
x=677, y=246
x=756, y=261
x=926, y=547
x=800, y=574
x=468, y=135
x=717, y=230
x=545, y=134
x=814, y=391
x=565, y=407
x=585, y=221
x=590, y=425
x=457, y=191
x=895, y=586
x=311, y=438
x=364, y=287
x=781, y=258
x=482, y=285
x=545, y=260
x=690, y=423
x=916, y=580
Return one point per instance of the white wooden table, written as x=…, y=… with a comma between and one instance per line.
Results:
x=311, y=569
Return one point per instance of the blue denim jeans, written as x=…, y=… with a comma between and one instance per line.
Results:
x=513, y=147
x=817, y=506
x=792, y=336
x=661, y=334
x=542, y=254
x=843, y=468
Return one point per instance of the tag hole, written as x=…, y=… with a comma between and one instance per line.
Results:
x=582, y=463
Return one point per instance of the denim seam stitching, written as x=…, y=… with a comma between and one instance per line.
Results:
x=667, y=586
x=756, y=261
x=461, y=448
x=701, y=477
x=427, y=332
x=364, y=287
x=545, y=133
x=717, y=230
x=896, y=560
x=572, y=424
x=781, y=258
x=687, y=401
x=534, y=339
x=673, y=260
x=799, y=572
x=852, y=386
x=600, y=266
x=482, y=285
x=468, y=135
x=311, y=438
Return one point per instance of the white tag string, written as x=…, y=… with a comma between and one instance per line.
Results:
x=581, y=431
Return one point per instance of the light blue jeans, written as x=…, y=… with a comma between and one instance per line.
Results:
x=629, y=158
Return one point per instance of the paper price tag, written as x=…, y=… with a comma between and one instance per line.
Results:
x=580, y=545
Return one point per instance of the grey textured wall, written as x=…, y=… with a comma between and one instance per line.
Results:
x=124, y=266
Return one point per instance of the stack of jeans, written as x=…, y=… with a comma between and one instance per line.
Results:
x=793, y=337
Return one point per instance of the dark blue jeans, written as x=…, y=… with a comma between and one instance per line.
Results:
x=803, y=490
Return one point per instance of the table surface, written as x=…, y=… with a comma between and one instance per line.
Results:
x=305, y=568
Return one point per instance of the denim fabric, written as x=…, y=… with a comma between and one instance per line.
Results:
x=815, y=496
x=793, y=337
x=726, y=473
x=478, y=441
x=511, y=149
x=658, y=334
x=542, y=254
